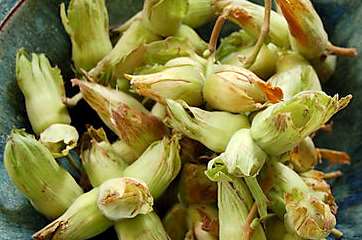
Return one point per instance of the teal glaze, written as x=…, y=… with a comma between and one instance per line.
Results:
x=36, y=26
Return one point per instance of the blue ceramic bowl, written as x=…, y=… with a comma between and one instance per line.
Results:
x=35, y=25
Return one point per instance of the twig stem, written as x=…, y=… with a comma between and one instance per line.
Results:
x=263, y=35
x=216, y=32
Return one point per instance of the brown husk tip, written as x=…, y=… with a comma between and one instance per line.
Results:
x=49, y=231
x=334, y=157
x=273, y=94
x=136, y=127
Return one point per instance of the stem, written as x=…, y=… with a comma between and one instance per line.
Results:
x=266, y=185
x=216, y=32
x=87, y=75
x=248, y=230
x=333, y=175
x=341, y=51
x=255, y=223
x=258, y=195
x=336, y=233
x=334, y=157
x=263, y=35
x=73, y=101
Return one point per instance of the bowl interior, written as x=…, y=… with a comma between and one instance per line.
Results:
x=36, y=26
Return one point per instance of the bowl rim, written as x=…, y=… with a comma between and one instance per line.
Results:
x=11, y=13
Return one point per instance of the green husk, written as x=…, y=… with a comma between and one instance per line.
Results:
x=159, y=110
x=304, y=156
x=325, y=67
x=137, y=129
x=175, y=222
x=145, y=227
x=100, y=161
x=158, y=53
x=275, y=230
x=104, y=100
x=59, y=139
x=280, y=127
x=121, y=198
x=125, y=151
x=202, y=221
x=164, y=17
x=243, y=157
x=138, y=46
x=308, y=36
x=199, y=12
x=234, y=203
x=284, y=180
x=209, y=128
x=258, y=195
x=315, y=180
x=87, y=25
x=308, y=217
x=158, y=165
x=294, y=75
x=218, y=170
x=250, y=16
x=234, y=42
x=119, y=111
x=82, y=220
x=181, y=78
x=150, y=57
x=191, y=36
x=304, y=214
x=195, y=187
x=115, y=64
x=235, y=89
x=43, y=89
x=34, y=171
x=264, y=65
